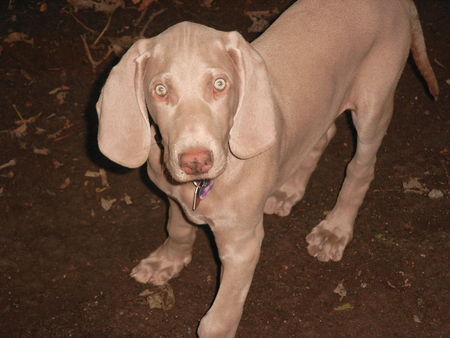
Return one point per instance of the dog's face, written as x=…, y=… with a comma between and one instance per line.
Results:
x=191, y=89
x=207, y=91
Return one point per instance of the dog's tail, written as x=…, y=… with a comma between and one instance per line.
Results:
x=419, y=52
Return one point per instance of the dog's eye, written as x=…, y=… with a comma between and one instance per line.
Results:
x=161, y=90
x=220, y=84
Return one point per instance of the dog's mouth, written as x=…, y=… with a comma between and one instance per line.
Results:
x=179, y=176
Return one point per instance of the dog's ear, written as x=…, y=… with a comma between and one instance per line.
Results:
x=124, y=130
x=253, y=130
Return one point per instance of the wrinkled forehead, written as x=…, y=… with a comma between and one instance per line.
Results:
x=188, y=46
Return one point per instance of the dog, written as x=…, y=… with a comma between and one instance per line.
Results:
x=232, y=130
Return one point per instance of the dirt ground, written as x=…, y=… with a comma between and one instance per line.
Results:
x=65, y=258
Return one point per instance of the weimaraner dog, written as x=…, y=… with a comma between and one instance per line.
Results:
x=232, y=130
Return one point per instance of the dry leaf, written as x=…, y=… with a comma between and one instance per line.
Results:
x=90, y=173
x=162, y=297
x=10, y=163
x=18, y=37
x=61, y=97
x=416, y=319
x=104, y=6
x=40, y=131
x=414, y=186
x=340, y=290
x=107, y=203
x=103, y=177
x=207, y=3
x=57, y=164
x=66, y=183
x=20, y=131
x=260, y=19
x=435, y=194
x=127, y=199
x=344, y=307
x=43, y=7
x=41, y=151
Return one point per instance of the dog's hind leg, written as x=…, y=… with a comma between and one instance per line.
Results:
x=281, y=202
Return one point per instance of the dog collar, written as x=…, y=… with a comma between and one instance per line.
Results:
x=202, y=189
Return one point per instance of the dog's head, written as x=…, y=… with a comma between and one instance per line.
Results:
x=207, y=92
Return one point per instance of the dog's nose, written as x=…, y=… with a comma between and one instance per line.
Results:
x=196, y=161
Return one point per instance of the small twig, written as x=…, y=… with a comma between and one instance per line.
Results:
x=150, y=19
x=82, y=24
x=440, y=64
x=143, y=13
x=93, y=62
x=18, y=112
x=104, y=29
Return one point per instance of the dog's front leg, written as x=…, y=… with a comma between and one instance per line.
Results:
x=239, y=248
x=173, y=255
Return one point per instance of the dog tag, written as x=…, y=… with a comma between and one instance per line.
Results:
x=202, y=189
x=196, y=199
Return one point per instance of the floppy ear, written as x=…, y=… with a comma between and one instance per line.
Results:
x=124, y=130
x=253, y=130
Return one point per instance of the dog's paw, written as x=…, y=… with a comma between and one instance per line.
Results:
x=159, y=267
x=327, y=242
x=280, y=207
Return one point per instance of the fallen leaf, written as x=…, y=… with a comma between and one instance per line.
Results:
x=43, y=7
x=66, y=183
x=41, y=151
x=207, y=3
x=105, y=6
x=20, y=131
x=344, y=307
x=57, y=164
x=260, y=19
x=107, y=203
x=380, y=236
x=162, y=297
x=416, y=319
x=103, y=177
x=414, y=186
x=90, y=173
x=340, y=290
x=8, y=164
x=127, y=199
x=40, y=131
x=61, y=97
x=18, y=37
x=435, y=194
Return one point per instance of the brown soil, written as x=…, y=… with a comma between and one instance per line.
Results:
x=64, y=260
